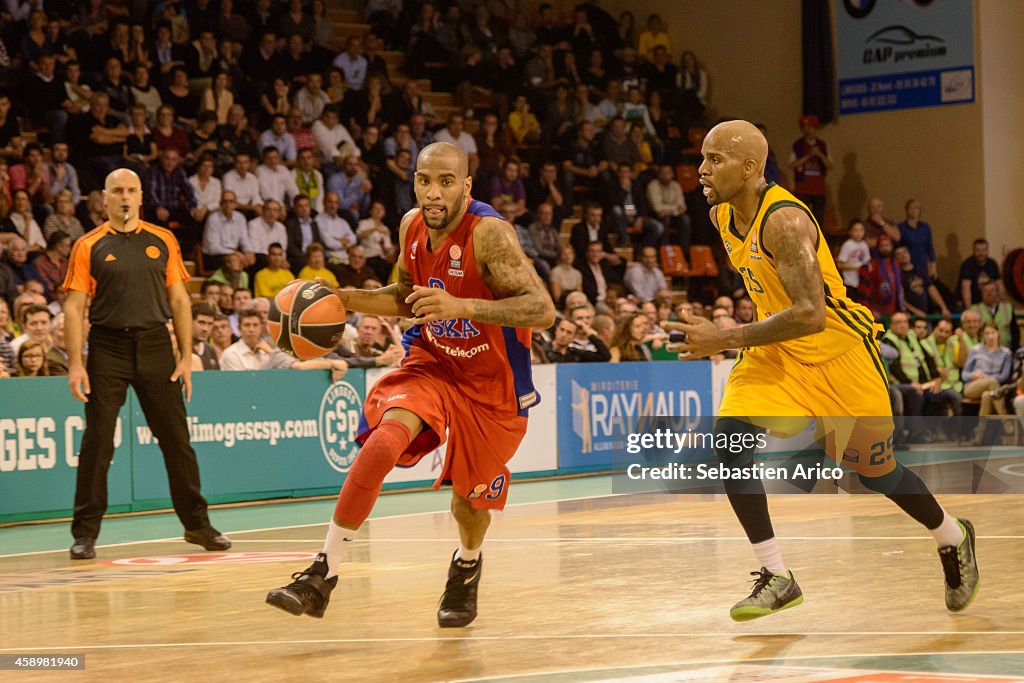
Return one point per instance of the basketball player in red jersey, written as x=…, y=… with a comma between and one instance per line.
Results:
x=473, y=295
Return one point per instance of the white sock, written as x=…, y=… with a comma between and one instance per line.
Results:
x=769, y=554
x=949, y=532
x=467, y=555
x=334, y=546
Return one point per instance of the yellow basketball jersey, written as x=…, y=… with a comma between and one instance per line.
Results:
x=847, y=323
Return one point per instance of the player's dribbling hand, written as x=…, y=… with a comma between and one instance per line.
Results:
x=78, y=380
x=324, y=283
x=703, y=338
x=430, y=304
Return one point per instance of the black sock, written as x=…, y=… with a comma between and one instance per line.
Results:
x=747, y=496
x=751, y=509
x=914, y=498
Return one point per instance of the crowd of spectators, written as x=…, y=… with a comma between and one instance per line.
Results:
x=274, y=152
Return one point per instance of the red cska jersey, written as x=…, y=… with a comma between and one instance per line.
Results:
x=489, y=364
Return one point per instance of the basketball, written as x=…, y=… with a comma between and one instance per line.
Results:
x=306, y=320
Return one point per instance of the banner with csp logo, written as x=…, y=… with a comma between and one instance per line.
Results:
x=261, y=434
x=600, y=404
x=41, y=428
x=900, y=54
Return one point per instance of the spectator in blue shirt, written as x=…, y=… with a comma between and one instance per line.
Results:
x=353, y=189
x=278, y=136
x=988, y=366
x=916, y=236
x=170, y=199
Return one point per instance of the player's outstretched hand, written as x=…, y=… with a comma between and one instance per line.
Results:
x=432, y=303
x=325, y=283
x=703, y=338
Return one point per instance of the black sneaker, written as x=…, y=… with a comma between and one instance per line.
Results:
x=309, y=593
x=458, y=604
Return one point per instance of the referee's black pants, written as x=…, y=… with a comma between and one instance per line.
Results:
x=145, y=360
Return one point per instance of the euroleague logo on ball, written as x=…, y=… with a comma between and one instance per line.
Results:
x=340, y=410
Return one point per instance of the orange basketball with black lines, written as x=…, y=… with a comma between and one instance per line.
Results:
x=306, y=320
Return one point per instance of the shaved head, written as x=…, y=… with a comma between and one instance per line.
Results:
x=122, y=197
x=734, y=153
x=742, y=139
x=122, y=175
x=444, y=154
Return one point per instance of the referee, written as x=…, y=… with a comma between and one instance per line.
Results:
x=134, y=273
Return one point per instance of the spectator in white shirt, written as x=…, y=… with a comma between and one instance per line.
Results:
x=252, y=352
x=454, y=134
x=226, y=232
x=311, y=99
x=276, y=181
x=265, y=230
x=645, y=279
x=244, y=184
x=335, y=231
x=853, y=254
x=333, y=139
x=375, y=239
x=208, y=189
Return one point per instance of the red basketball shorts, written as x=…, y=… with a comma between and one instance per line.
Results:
x=481, y=438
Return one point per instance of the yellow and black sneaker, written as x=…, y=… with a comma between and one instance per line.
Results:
x=960, y=565
x=772, y=593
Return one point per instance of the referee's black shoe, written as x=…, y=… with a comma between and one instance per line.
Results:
x=83, y=549
x=209, y=538
x=458, y=604
x=309, y=593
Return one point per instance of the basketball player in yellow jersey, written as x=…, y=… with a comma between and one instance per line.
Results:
x=811, y=354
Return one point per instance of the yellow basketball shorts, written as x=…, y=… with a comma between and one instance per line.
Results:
x=847, y=396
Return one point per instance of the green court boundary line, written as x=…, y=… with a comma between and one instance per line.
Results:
x=159, y=506
x=439, y=506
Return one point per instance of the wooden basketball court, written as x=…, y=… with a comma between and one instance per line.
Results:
x=598, y=587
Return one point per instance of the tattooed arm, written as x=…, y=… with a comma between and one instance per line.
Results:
x=390, y=300
x=521, y=299
x=790, y=236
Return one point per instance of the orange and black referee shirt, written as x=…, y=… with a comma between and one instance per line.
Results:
x=127, y=275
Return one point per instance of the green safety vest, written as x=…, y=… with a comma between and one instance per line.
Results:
x=969, y=341
x=946, y=358
x=911, y=358
x=1002, y=319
